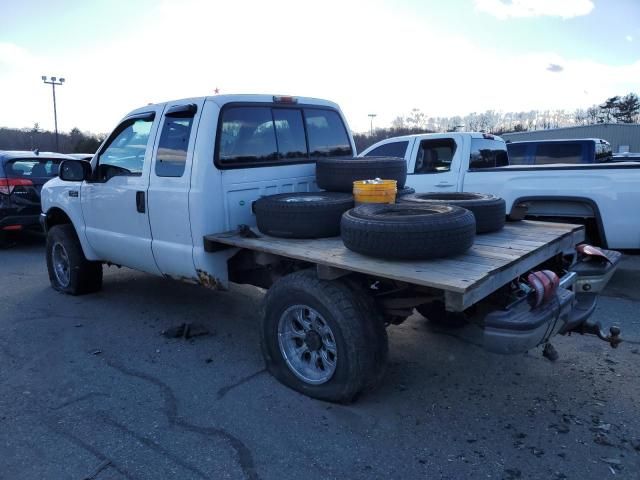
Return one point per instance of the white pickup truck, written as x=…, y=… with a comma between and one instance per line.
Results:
x=170, y=192
x=601, y=196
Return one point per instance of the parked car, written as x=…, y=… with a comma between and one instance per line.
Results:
x=22, y=175
x=601, y=196
x=174, y=191
x=545, y=152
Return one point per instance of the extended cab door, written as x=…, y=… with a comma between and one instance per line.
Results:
x=114, y=202
x=435, y=164
x=169, y=186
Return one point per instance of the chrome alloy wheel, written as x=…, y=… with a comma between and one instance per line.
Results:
x=61, y=266
x=307, y=344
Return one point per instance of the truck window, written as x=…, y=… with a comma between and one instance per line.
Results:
x=124, y=154
x=487, y=153
x=517, y=154
x=391, y=149
x=172, y=148
x=247, y=136
x=290, y=133
x=434, y=156
x=264, y=135
x=327, y=134
x=548, y=153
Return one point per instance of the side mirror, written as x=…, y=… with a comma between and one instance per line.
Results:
x=74, y=170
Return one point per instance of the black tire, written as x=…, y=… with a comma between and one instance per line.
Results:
x=303, y=214
x=406, y=231
x=376, y=332
x=338, y=174
x=436, y=313
x=404, y=191
x=490, y=211
x=342, y=311
x=84, y=276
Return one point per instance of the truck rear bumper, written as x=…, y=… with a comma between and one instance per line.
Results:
x=594, y=275
x=522, y=328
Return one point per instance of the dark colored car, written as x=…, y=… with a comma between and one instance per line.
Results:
x=545, y=152
x=22, y=175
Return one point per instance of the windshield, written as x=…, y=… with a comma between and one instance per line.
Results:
x=488, y=153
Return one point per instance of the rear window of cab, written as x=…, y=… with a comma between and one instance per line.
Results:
x=258, y=135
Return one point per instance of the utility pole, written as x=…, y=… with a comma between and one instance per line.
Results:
x=53, y=81
x=372, y=116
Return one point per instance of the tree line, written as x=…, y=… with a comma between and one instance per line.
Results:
x=617, y=109
x=75, y=141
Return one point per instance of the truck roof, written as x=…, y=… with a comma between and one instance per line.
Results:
x=221, y=100
x=445, y=134
x=559, y=140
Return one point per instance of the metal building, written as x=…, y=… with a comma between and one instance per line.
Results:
x=623, y=137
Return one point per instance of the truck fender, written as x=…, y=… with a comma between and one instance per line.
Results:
x=588, y=202
x=57, y=216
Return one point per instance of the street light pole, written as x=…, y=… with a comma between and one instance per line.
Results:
x=53, y=81
x=372, y=116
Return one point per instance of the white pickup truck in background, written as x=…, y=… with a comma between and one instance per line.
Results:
x=600, y=196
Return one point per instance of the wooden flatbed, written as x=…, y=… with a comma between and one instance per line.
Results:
x=494, y=260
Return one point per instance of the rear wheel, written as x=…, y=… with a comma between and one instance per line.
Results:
x=315, y=338
x=69, y=270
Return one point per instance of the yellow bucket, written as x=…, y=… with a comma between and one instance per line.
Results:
x=374, y=191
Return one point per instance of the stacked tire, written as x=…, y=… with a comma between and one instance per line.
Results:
x=302, y=214
x=318, y=214
x=408, y=232
x=489, y=211
x=338, y=174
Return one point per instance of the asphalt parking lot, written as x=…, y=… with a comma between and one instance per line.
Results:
x=89, y=388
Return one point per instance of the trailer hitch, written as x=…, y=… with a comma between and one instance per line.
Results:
x=594, y=328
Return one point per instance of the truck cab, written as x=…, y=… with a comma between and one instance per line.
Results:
x=172, y=172
x=437, y=161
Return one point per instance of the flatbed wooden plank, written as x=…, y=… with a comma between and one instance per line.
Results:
x=494, y=260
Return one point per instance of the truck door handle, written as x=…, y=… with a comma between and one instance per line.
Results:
x=140, y=203
x=441, y=185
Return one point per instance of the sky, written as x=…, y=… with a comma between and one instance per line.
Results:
x=382, y=57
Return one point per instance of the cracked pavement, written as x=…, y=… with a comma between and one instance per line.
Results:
x=89, y=388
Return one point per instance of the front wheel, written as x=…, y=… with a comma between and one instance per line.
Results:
x=315, y=338
x=69, y=270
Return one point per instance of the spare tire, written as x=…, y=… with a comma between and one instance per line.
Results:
x=338, y=174
x=405, y=191
x=302, y=214
x=490, y=211
x=405, y=231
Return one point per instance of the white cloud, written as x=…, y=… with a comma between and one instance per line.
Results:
x=361, y=65
x=629, y=38
x=504, y=9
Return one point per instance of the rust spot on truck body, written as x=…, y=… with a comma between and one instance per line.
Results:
x=207, y=280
